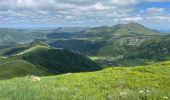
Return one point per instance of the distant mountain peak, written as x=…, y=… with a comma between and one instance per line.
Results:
x=134, y=24
x=133, y=28
x=38, y=42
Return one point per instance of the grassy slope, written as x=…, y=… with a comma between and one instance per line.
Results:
x=8, y=49
x=59, y=61
x=130, y=29
x=14, y=67
x=138, y=83
x=136, y=50
x=32, y=49
x=42, y=60
x=133, y=29
x=86, y=47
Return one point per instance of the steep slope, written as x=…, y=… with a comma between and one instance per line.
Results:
x=132, y=32
x=146, y=46
x=58, y=61
x=130, y=51
x=138, y=83
x=133, y=29
x=85, y=47
x=14, y=67
x=105, y=32
x=131, y=42
x=157, y=48
x=13, y=49
x=40, y=59
x=129, y=29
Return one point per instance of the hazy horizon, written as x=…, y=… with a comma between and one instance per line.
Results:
x=165, y=30
x=154, y=14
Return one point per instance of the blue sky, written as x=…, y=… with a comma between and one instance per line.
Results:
x=80, y=13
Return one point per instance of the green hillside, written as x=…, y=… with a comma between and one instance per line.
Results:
x=85, y=47
x=32, y=48
x=133, y=29
x=59, y=61
x=138, y=83
x=107, y=37
x=29, y=66
x=39, y=59
x=20, y=36
x=130, y=51
x=129, y=29
x=128, y=44
x=11, y=48
x=13, y=67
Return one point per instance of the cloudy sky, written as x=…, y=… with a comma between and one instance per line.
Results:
x=54, y=13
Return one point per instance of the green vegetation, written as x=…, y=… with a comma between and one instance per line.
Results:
x=123, y=44
x=86, y=47
x=8, y=35
x=137, y=50
x=120, y=45
x=40, y=59
x=138, y=83
x=32, y=49
x=31, y=65
x=58, y=61
x=130, y=29
x=13, y=67
x=12, y=48
x=133, y=29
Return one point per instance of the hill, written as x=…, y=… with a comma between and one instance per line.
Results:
x=123, y=44
x=39, y=59
x=59, y=61
x=137, y=83
x=103, y=32
x=13, y=67
x=131, y=51
x=133, y=33
x=133, y=29
x=9, y=35
x=85, y=47
x=129, y=29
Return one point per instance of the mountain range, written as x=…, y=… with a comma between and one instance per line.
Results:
x=64, y=50
x=127, y=44
x=84, y=63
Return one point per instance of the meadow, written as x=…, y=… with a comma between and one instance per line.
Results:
x=150, y=82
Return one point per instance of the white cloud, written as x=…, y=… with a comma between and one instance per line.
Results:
x=158, y=18
x=132, y=19
x=156, y=0
x=77, y=10
x=155, y=10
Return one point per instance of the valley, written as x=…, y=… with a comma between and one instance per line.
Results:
x=120, y=62
x=84, y=49
x=130, y=44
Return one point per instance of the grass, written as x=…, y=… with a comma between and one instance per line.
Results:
x=132, y=83
x=93, y=58
x=13, y=67
x=32, y=49
x=43, y=60
x=106, y=61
